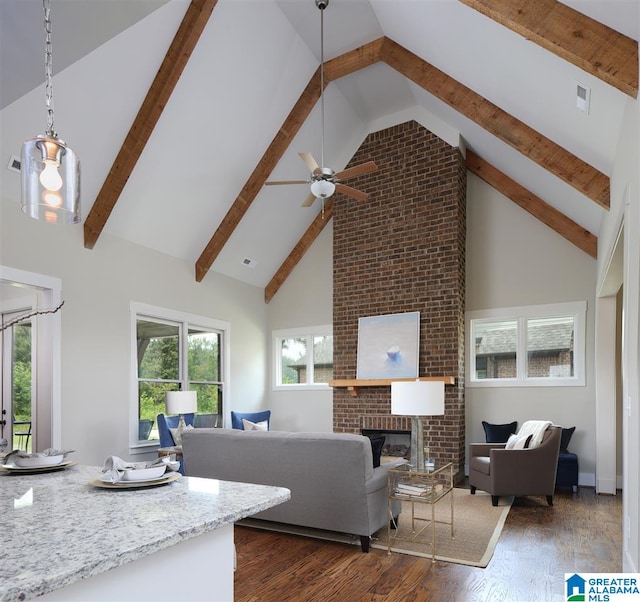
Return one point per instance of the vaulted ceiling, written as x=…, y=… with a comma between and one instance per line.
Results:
x=180, y=111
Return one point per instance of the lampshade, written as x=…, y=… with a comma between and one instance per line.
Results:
x=322, y=189
x=417, y=398
x=181, y=402
x=50, y=180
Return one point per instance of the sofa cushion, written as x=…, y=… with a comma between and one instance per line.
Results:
x=377, y=443
x=567, y=433
x=498, y=433
x=480, y=464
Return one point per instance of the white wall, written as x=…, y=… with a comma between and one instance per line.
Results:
x=97, y=287
x=513, y=260
x=305, y=299
x=625, y=210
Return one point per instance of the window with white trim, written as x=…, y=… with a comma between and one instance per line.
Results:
x=538, y=345
x=174, y=351
x=303, y=357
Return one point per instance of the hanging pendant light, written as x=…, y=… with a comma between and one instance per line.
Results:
x=50, y=169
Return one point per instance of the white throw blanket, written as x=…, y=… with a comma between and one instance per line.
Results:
x=536, y=429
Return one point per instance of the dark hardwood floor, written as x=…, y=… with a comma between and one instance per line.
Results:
x=581, y=533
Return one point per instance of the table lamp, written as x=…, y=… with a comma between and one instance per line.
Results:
x=181, y=402
x=417, y=398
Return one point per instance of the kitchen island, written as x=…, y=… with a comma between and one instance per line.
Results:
x=63, y=538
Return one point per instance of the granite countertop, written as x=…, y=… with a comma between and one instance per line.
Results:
x=57, y=528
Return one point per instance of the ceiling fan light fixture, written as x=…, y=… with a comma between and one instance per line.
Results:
x=322, y=189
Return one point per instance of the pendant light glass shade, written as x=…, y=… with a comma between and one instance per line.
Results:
x=50, y=169
x=322, y=189
x=50, y=181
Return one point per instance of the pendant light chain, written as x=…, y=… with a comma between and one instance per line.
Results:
x=48, y=62
x=322, y=82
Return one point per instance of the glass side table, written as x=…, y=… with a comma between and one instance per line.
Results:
x=422, y=486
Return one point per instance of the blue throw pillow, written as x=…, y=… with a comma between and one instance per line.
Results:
x=498, y=433
x=565, y=438
x=377, y=443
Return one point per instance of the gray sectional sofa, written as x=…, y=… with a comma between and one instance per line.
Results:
x=333, y=483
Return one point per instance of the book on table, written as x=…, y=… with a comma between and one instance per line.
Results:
x=413, y=489
x=417, y=489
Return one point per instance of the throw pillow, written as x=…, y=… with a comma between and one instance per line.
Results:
x=377, y=443
x=516, y=442
x=177, y=434
x=247, y=425
x=498, y=433
x=565, y=438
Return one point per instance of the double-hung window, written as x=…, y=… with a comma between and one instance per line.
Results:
x=173, y=351
x=541, y=345
x=303, y=357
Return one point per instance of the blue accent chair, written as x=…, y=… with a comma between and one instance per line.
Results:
x=238, y=417
x=165, y=423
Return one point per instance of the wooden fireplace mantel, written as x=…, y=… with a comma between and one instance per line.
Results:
x=353, y=384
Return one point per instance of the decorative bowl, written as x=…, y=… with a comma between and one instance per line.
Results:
x=144, y=474
x=37, y=461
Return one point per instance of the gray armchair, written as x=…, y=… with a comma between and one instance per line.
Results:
x=518, y=472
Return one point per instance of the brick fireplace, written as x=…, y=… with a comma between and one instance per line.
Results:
x=403, y=250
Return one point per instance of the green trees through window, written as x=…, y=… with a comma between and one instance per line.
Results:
x=173, y=356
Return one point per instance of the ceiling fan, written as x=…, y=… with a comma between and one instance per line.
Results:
x=324, y=180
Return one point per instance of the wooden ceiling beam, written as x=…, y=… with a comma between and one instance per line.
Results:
x=263, y=169
x=546, y=153
x=578, y=39
x=193, y=23
x=566, y=227
x=297, y=253
x=343, y=65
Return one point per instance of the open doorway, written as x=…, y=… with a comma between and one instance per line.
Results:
x=30, y=360
x=18, y=367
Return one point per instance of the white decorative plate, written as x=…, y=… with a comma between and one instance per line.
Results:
x=11, y=467
x=144, y=474
x=163, y=480
x=38, y=461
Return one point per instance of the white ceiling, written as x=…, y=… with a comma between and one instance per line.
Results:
x=249, y=68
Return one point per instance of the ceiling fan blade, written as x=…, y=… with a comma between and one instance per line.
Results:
x=310, y=162
x=357, y=170
x=284, y=182
x=352, y=192
x=309, y=200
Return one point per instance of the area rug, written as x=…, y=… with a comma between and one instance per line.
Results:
x=477, y=528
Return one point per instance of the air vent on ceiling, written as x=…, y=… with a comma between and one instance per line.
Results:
x=14, y=164
x=250, y=263
x=583, y=97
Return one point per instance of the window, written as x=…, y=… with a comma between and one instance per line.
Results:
x=303, y=357
x=540, y=345
x=172, y=352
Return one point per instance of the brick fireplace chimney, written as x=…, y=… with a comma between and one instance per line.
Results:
x=403, y=250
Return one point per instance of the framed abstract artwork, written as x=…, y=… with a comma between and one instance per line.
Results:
x=388, y=346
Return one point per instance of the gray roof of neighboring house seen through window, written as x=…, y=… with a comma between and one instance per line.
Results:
x=540, y=337
x=322, y=354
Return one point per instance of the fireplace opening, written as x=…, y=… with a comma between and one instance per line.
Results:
x=397, y=444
